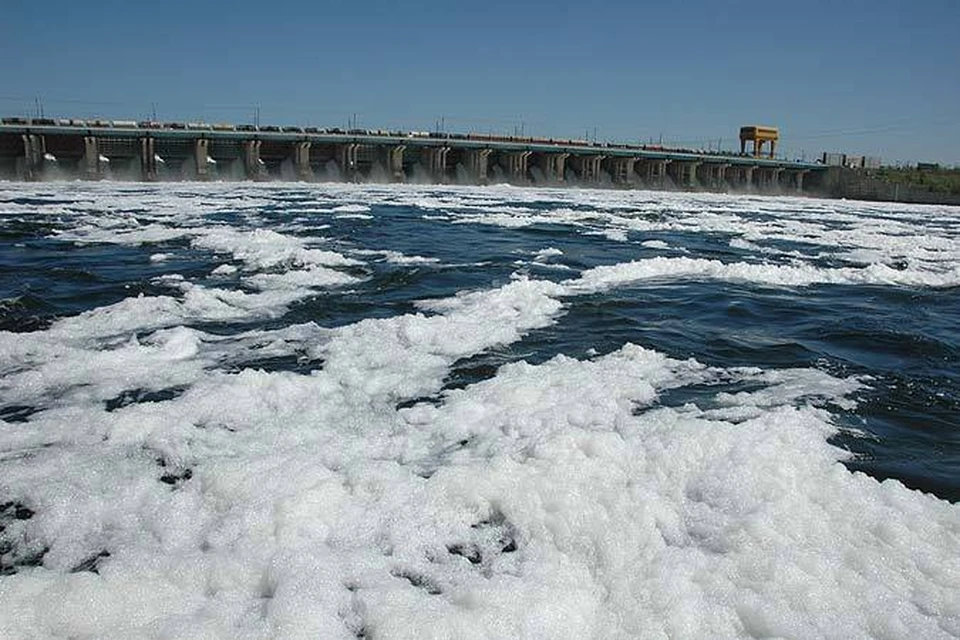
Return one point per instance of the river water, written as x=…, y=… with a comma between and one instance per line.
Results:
x=363, y=411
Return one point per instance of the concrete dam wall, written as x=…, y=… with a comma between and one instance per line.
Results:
x=148, y=152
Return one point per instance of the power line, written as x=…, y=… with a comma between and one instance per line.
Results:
x=905, y=124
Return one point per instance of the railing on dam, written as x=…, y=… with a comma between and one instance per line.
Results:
x=40, y=149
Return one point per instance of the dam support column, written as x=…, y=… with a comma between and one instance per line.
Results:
x=301, y=160
x=686, y=173
x=623, y=172
x=798, y=179
x=33, y=150
x=202, y=157
x=654, y=172
x=721, y=176
x=437, y=163
x=589, y=167
x=714, y=175
x=349, y=166
x=595, y=163
x=252, y=164
x=148, y=159
x=478, y=164
x=394, y=162
x=770, y=178
x=553, y=166
x=762, y=179
x=517, y=164
x=742, y=177
x=90, y=165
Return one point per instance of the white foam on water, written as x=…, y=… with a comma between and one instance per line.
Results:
x=881, y=232
x=132, y=235
x=509, y=219
x=197, y=303
x=617, y=235
x=364, y=354
x=37, y=367
x=224, y=270
x=351, y=208
x=549, y=500
x=124, y=317
x=655, y=244
x=300, y=279
x=362, y=497
x=800, y=275
x=399, y=258
x=265, y=249
x=545, y=254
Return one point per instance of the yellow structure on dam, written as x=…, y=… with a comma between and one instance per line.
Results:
x=758, y=135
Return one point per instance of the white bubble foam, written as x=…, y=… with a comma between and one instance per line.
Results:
x=606, y=277
x=361, y=494
x=264, y=248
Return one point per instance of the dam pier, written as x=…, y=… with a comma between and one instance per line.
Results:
x=42, y=149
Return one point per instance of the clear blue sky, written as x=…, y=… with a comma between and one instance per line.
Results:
x=877, y=77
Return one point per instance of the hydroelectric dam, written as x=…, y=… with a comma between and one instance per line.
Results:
x=44, y=149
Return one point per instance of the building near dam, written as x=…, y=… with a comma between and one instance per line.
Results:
x=43, y=148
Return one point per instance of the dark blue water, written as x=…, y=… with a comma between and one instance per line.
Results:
x=902, y=340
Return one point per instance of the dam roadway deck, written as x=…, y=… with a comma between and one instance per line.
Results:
x=31, y=151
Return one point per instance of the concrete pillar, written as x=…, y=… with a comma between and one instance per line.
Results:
x=348, y=161
x=742, y=177
x=553, y=166
x=589, y=167
x=623, y=170
x=800, y=175
x=90, y=165
x=437, y=163
x=714, y=175
x=148, y=159
x=692, y=174
x=301, y=160
x=525, y=168
x=678, y=171
x=653, y=171
x=478, y=163
x=579, y=167
x=252, y=164
x=441, y=166
x=201, y=156
x=33, y=150
x=686, y=172
x=595, y=163
x=770, y=177
x=394, y=162
x=517, y=163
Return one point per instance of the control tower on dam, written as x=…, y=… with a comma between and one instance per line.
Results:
x=39, y=149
